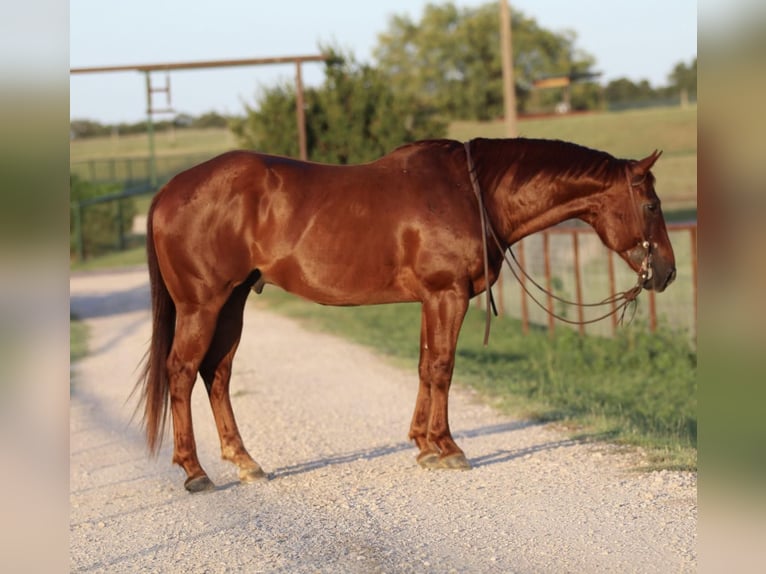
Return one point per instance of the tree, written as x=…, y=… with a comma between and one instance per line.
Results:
x=451, y=59
x=354, y=117
x=623, y=90
x=87, y=128
x=210, y=119
x=271, y=125
x=684, y=77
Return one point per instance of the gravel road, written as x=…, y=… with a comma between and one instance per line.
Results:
x=328, y=420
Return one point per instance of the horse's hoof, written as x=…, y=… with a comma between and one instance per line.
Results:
x=454, y=462
x=247, y=475
x=429, y=460
x=199, y=484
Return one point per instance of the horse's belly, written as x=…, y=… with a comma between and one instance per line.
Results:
x=346, y=282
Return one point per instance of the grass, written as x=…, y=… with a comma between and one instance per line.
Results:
x=636, y=389
x=78, y=338
x=185, y=141
x=127, y=258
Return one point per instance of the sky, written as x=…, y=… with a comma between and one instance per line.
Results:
x=628, y=38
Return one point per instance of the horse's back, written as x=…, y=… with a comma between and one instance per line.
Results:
x=335, y=234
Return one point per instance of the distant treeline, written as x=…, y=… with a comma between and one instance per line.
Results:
x=89, y=128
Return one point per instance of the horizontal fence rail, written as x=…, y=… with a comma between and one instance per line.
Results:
x=133, y=174
x=572, y=262
x=131, y=171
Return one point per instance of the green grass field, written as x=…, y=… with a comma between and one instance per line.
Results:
x=186, y=141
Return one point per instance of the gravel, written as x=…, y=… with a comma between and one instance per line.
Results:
x=328, y=420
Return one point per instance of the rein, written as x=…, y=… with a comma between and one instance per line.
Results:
x=618, y=301
x=485, y=228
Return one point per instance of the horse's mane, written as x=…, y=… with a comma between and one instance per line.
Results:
x=429, y=144
x=555, y=159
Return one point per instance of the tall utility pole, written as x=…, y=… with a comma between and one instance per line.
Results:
x=509, y=91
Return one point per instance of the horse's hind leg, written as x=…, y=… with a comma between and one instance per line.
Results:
x=195, y=325
x=216, y=373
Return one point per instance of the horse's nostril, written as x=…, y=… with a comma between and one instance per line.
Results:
x=671, y=277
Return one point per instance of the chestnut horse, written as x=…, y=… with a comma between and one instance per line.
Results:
x=408, y=227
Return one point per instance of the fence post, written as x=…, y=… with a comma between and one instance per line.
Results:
x=612, y=291
x=120, y=228
x=693, y=239
x=578, y=282
x=524, y=302
x=548, y=281
x=500, y=296
x=77, y=211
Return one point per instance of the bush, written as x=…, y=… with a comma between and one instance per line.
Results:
x=101, y=222
x=352, y=118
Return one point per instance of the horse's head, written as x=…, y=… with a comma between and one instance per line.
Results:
x=629, y=220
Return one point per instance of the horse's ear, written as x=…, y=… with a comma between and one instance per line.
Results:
x=642, y=166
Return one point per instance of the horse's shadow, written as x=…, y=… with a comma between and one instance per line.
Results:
x=333, y=460
x=96, y=305
x=497, y=457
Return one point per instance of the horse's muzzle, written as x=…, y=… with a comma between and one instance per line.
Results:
x=659, y=279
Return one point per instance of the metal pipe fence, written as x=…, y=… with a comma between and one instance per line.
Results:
x=574, y=264
x=133, y=171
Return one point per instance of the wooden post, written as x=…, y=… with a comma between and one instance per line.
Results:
x=77, y=211
x=693, y=238
x=524, y=302
x=578, y=282
x=612, y=291
x=548, y=281
x=120, y=227
x=300, y=112
x=506, y=50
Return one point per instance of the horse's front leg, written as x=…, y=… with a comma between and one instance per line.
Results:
x=429, y=453
x=442, y=317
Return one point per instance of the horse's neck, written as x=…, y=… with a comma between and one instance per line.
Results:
x=534, y=206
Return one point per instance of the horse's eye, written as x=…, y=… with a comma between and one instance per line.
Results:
x=652, y=207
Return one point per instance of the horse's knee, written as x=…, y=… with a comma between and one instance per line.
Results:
x=439, y=371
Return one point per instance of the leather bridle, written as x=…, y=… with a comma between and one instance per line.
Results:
x=619, y=301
